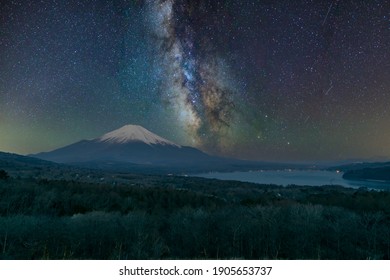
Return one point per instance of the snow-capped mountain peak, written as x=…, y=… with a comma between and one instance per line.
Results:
x=134, y=133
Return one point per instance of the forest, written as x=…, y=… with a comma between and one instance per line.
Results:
x=176, y=217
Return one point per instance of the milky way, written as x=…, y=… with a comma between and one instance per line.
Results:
x=253, y=79
x=195, y=79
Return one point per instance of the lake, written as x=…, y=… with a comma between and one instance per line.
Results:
x=295, y=177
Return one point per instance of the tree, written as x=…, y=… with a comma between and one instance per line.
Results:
x=3, y=175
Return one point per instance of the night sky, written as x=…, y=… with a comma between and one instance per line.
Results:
x=264, y=80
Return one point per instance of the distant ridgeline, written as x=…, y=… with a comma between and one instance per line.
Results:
x=380, y=174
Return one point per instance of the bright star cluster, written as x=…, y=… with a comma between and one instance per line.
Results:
x=253, y=79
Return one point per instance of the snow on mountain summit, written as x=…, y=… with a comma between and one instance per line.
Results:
x=134, y=133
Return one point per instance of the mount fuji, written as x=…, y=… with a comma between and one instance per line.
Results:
x=131, y=144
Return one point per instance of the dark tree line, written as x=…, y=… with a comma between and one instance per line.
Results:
x=73, y=220
x=3, y=175
x=379, y=173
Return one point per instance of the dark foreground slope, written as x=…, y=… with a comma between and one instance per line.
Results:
x=19, y=166
x=161, y=217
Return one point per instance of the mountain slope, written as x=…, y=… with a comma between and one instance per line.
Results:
x=15, y=161
x=128, y=144
x=28, y=167
x=133, y=148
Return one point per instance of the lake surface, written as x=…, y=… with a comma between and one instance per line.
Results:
x=296, y=177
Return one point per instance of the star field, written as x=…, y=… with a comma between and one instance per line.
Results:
x=263, y=80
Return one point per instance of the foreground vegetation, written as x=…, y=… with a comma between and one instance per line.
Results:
x=158, y=217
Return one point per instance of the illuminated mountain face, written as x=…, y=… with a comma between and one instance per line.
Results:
x=134, y=133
